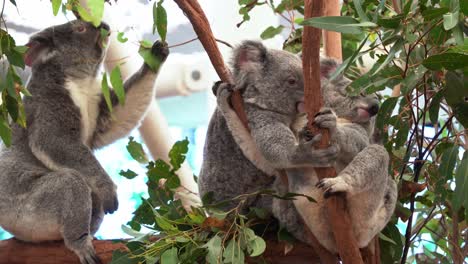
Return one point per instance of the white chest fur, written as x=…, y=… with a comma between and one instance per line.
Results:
x=86, y=94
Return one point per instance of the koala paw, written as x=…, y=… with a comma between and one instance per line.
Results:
x=307, y=136
x=160, y=50
x=219, y=86
x=325, y=118
x=331, y=186
x=110, y=203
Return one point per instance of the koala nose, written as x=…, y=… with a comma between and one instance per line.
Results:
x=104, y=25
x=373, y=109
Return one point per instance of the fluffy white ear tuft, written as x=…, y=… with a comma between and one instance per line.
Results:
x=248, y=54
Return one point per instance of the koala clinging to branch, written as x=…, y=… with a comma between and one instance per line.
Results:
x=237, y=161
x=361, y=166
x=51, y=185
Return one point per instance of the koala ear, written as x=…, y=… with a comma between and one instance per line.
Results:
x=327, y=67
x=38, y=47
x=249, y=54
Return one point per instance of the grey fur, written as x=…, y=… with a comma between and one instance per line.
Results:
x=238, y=162
x=361, y=166
x=51, y=185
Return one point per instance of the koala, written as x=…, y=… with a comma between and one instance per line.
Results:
x=362, y=168
x=51, y=185
x=238, y=161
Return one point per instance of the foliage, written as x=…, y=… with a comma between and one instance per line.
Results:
x=176, y=236
x=421, y=52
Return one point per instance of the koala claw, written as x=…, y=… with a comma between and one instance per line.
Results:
x=217, y=86
x=325, y=118
x=333, y=186
x=306, y=135
x=323, y=111
x=160, y=50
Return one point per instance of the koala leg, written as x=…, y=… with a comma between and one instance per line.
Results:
x=366, y=172
x=64, y=199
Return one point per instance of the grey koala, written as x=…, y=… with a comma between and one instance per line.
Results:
x=362, y=168
x=51, y=185
x=237, y=161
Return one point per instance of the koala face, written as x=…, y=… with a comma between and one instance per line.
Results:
x=270, y=79
x=357, y=109
x=76, y=44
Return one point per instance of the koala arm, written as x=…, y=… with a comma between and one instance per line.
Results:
x=278, y=143
x=58, y=146
x=139, y=93
x=352, y=139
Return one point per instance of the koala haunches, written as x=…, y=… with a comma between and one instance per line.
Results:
x=361, y=167
x=51, y=185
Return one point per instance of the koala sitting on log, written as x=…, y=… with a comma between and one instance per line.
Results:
x=362, y=167
x=237, y=161
x=51, y=185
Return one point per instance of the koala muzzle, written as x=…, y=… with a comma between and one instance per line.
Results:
x=373, y=108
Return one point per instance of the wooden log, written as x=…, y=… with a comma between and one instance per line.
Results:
x=13, y=251
x=336, y=205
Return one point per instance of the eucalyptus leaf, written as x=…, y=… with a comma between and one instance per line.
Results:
x=106, y=92
x=170, y=256
x=449, y=61
x=214, y=248
x=136, y=151
x=450, y=20
x=341, y=24
x=56, y=6
x=117, y=84
x=461, y=183
x=271, y=31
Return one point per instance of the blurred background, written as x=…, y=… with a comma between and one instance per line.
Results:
x=184, y=95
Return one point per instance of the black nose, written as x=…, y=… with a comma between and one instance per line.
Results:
x=104, y=25
x=373, y=109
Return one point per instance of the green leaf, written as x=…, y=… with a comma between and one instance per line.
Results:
x=97, y=11
x=385, y=111
x=121, y=257
x=150, y=59
x=84, y=15
x=348, y=62
x=15, y=58
x=106, y=92
x=447, y=163
x=257, y=245
x=177, y=153
x=164, y=224
x=121, y=38
x=56, y=6
x=386, y=238
x=117, y=84
x=5, y=132
x=392, y=22
x=233, y=253
x=13, y=2
x=214, y=250
x=434, y=13
x=284, y=235
x=136, y=151
x=391, y=54
x=434, y=108
x=161, y=170
x=449, y=60
x=450, y=20
x=12, y=107
x=341, y=24
x=271, y=31
x=170, y=256
x=360, y=11
x=129, y=174
x=160, y=19
x=412, y=78
x=460, y=196
x=455, y=93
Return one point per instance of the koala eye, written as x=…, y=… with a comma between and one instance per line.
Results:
x=363, y=94
x=291, y=81
x=81, y=29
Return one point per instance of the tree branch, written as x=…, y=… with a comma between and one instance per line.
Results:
x=336, y=205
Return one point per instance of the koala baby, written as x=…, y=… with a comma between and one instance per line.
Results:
x=361, y=166
x=51, y=185
x=237, y=161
